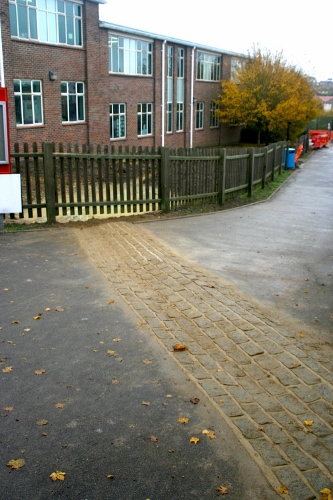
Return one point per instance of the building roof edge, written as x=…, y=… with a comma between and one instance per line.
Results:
x=147, y=34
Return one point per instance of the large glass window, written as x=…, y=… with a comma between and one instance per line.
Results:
x=145, y=118
x=72, y=101
x=214, y=121
x=208, y=66
x=169, y=89
x=199, y=115
x=130, y=56
x=117, y=121
x=53, y=21
x=180, y=90
x=28, y=102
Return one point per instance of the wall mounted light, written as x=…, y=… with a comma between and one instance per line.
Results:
x=53, y=76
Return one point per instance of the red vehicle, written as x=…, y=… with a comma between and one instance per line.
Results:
x=319, y=138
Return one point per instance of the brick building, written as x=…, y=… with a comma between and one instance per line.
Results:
x=73, y=78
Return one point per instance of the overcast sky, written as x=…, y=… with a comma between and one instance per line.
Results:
x=301, y=30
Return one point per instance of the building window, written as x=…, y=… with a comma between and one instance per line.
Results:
x=117, y=121
x=208, y=67
x=72, y=101
x=129, y=56
x=28, y=102
x=52, y=21
x=145, y=119
x=214, y=121
x=199, y=115
x=180, y=90
x=169, y=89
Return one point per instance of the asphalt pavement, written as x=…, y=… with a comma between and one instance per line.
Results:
x=86, y=390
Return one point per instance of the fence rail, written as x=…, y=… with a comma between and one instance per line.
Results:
x=78, y=183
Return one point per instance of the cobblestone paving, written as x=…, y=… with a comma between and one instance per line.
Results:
x=265, y=379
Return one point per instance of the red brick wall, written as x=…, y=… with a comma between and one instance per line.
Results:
x=26, y=60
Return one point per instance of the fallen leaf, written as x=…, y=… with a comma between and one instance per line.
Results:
x=144, y=403
x=44, y=434
x=222, y=490
x=5, y=289
x=171, y=451
x=195, y=401
x=146, y=361
x=116, y=340
x=308, y=422
x=16, y=464
x=110, y=476
x=59, y=309
x=27, y=329
x=87, y=286
x=15, y=322
x=131, y=426
x=283, y=489
x=95, y=350
x=168, y=396
x=139, y=324
x=39, y=372
x=47, y=309
x=119, y=359
x=209, y=434
x=9, y=408
x=7, y=369
x=194, y=440
x=183, y=420
x=153, y=439
x=112, y=353
x=59, y=405
x=115, y=382
x=179, y=347
x=326, y=494
x=58, y=475
x=38, y=316
x=111, y=301
x=209, y=286
x=301, y=335
x=42, y=422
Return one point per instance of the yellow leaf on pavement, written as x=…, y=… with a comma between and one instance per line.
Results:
x=16, y=464
x=47, y=309
x=42, y=422
x=183, y=420
x=9, y=408
x=58, y=475
x=222, y=490
x=283, y=489
x=194, y=440
x=59, y=405
x=116, y=340
x=7, y=369
x=326, y=494
x=179, y=347
x=209, y=434
x=111, y=301
x=144, y=403
x=112, y=353
x=146, y=361
x=110, y=476
x=39, y=372
x=38, y=316
x=15, y=322
x=308, y=422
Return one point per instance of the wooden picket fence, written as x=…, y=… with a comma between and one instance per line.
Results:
x=72, y=183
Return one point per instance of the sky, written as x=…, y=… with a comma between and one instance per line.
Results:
x=302, y=31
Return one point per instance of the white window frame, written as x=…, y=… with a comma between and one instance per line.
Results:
x=126, y=56
x=36, y=97
x=68, y=96
x=145, y=118
x=120, y=117
x=170, y=89
x=4, y=158
x=208, y=67
x=58, y=22
x=214, y=121
x=199, y=115
x=180, y=90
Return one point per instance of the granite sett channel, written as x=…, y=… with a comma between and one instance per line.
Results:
x=271, y=384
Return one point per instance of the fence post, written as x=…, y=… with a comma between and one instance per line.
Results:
x=274, y=162
x=221, y=176
x=264, y=168
x=49, y=182
x=251, y=171
x=165, y=179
